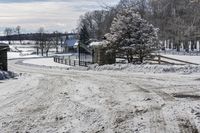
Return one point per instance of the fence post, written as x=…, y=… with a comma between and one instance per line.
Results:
x=159, y=62
x=65, y=61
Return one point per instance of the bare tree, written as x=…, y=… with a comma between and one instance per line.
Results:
x=41, y=39
x=56, y=39
x=50, y=43
x=18, y=30
x=8, y=32
x=97, y=22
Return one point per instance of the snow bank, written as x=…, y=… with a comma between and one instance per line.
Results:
x=148, y=68
x=6, y=75
x=49, y=63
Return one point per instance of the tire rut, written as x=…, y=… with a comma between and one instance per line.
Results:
x=186, y=126
x=157, y=122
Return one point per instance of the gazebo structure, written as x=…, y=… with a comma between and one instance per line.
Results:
x=3, y=56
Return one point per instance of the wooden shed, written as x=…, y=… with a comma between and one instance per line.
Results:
x=3, y=56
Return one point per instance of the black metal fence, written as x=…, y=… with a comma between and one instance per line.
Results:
x=66, y=61
x=85, y=57
x=73, y=62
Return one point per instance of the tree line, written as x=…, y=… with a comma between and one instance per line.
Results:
x=43, y=40
x=177, y=20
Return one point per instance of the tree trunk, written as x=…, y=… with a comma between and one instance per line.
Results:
x=57, y=49
x=129, y=61
x=141, y=59
x=37, y=51
x=42, y=50
x=141, y=56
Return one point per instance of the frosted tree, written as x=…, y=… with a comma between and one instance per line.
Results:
x=132, y=36
x=84, y=36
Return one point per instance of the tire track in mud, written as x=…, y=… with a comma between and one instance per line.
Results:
x=186, y=126
x=165, y=96
x=157, y=120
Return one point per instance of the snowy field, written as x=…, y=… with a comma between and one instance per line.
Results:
x=18, y=51
x=21, y=51
x=192, y=59
x=17, y=55
x=57, y=100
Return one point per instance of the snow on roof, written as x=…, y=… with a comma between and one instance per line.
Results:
x=76, y=44
x=102, y=43
x=96, y=43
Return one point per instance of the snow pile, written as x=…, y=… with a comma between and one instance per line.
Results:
x=148, y=68
x=6, y=75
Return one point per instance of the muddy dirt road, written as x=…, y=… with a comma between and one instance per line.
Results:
x=54, y=100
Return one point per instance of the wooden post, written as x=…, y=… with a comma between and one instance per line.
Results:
x=159, y=61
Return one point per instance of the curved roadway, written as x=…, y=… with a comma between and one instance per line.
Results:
x=54, y=100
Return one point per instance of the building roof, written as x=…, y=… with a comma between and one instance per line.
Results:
x=71, y=42
x=3, y=45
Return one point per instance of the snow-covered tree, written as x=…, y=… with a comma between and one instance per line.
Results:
x=132, y=36
x=84, y=35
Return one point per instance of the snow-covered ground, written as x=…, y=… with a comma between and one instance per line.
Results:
x=56, y=100
x=147, y=68
x=18, y=51
x=21, y=51
x=44, y=62
x=192, y=59
x=121, y=98
x=17, y=55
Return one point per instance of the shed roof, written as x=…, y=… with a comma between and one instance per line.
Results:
x=3, y=45
x=102, y=43
x=71, y=42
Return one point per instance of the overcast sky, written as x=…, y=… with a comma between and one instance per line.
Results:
x=61, y=15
